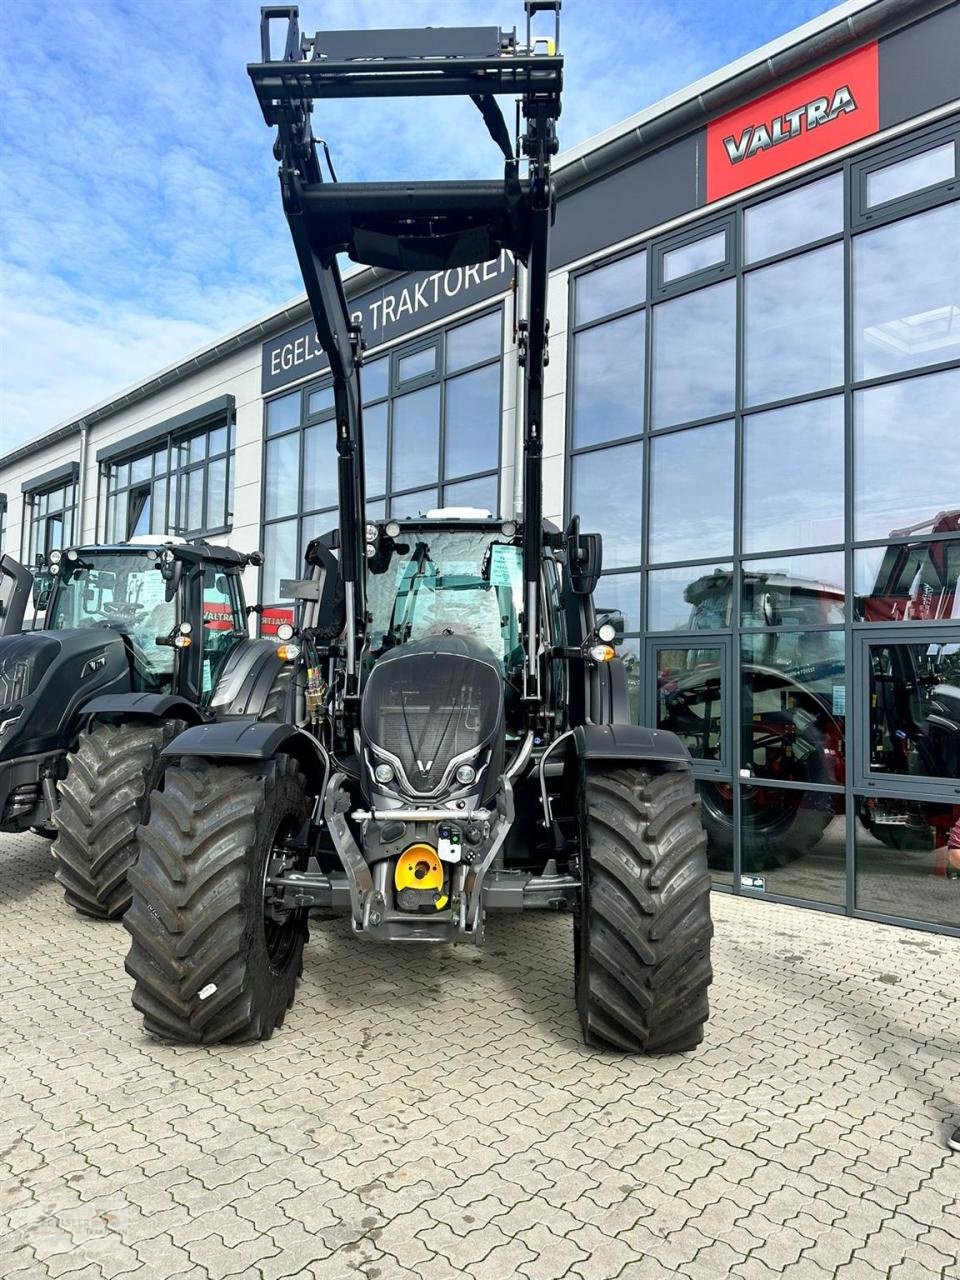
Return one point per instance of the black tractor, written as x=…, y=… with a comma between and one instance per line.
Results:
x=138, y=641
x=458, y=736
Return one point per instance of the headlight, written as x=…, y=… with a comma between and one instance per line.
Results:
x=607, y=632
x=392, y=529
x=54, y=557
x=73, y=554
x=603, y=653
x=285, y=631
x=466, y=774
x=370, y=533
x=383, y=774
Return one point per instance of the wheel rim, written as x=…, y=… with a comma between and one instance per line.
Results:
x=280, y=927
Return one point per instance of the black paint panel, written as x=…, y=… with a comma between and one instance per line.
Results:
x=920, y=67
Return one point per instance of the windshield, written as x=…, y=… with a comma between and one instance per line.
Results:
x=463, y=582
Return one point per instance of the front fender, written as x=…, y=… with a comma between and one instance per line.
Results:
x=247, y=741
x=142, y=706
x=626, y=742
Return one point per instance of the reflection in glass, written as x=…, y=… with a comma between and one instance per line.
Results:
x=909, y=582
x=374, y=379
x=282, y=473
x=794, y=705
x=283, y=414
x=793, y=591
x=906, y=293
x=377, y=510
x=799, y=217
x=280, y=557
x=140, y=469
x=689, y=698
x=608, y=367
x=719, y=835
x=629, y=653
x=694, y=598
x=375, y=448
x=793, y=843
x=694, y=355
x=794, y=326
x=912, y=174
x=914, y=708
x=320, y=401
x=607, y=485
x=416, y=437
x=903, y=867
x=793, y=476
x=472, y=419
x=470, y=343
x=620, y=591
x=416, y=364
x=481, y=492
x=409, y=506
x=684, y=463
x=615, y=287
x=216, y=499
x=313, y=526
x=905, y=472
x=320, y=466
x=697, y=256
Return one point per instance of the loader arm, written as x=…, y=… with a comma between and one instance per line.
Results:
x=417, y=226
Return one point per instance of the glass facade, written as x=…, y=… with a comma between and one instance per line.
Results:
x=182, y=485
x=50, y=517
x=761, y=422
x=431, y=415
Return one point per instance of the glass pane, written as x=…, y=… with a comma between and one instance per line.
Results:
x=718, y=795
x=914, y=582
x=280, y=558
x=694, y=355
x=411, y=505
x=417, y=364
x=282, y=473
x=140, y=469
x=913, y=174
x=375, y=448
x=620, y=591
x=320, y=401
x=217, y=442
x=375, y=379
x=629, y=654
x=283, y=413
x=416, y=438
x=690, y=697
x=470, y=343
x=793, y=591
x=312, y=527
x=377, y=510
x=795, y=700
x=481, y=492
x=914, y=709
x=694, y=598
x=608, y=365
x=216, y=513
x=789, y=221
x=472, y=413
x=793, y=476
x=611, y=288
x=794, y=326
x=906, y=293
x=903, y=861
x=195, y=448
x=123, y=474
x=195, y=499
x=161, y=520
x=682, y=464
x=139, y=515
x=606, y=495
x=320, y=466
x=906, y=474
x=694, y=257
x=793, y=843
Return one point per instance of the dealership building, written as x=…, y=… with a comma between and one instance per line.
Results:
x=753, y=393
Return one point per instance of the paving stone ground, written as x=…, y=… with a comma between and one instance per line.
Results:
x=432, y=1113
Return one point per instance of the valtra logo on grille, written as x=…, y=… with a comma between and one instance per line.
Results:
x=804, y=119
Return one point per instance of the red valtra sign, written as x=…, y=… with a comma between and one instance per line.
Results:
x=806, y=118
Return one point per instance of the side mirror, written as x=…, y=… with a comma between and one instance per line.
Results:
x=42, y=590
x=324, y=613
x=584, y=558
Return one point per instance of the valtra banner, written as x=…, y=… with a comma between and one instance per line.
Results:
x=809, y=117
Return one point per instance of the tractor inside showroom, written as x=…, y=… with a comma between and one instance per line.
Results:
x=458, y=735
x=138, y=641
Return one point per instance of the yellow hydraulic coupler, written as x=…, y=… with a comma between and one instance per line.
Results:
x=420, y=870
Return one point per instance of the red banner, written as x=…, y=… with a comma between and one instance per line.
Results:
x=809, y=117
x=270, y=619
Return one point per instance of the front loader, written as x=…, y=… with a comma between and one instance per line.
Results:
x=458, y=737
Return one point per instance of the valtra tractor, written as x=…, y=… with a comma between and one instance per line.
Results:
x=139, y=640
x=457, y=737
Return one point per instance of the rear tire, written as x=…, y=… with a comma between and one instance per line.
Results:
x=207, y=966
x=103, y=798
x=644, y=929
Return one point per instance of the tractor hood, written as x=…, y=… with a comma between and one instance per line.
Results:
x=46, y=676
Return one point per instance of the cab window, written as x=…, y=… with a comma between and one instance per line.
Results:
x=224, y=624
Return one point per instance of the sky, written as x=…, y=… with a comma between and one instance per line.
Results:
x=140, y=216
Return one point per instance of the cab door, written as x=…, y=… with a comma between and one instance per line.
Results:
x=224, y=625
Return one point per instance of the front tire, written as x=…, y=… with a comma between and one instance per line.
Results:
x=207, y=965
x=103, y=798
x=644, y=929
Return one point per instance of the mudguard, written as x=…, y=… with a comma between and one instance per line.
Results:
x=144, y=706
x=250, y=740
x=626, y=742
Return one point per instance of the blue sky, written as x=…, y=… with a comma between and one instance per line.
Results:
x=139, y=211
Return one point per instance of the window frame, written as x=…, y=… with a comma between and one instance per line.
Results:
x=861, y=215
x=727, y=223
x=712, y=770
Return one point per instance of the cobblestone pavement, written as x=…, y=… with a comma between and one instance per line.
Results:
x=432, y=1113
